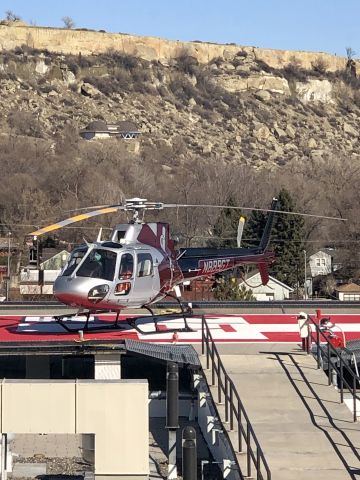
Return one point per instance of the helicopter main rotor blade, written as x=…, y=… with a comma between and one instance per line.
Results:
x=266, y=210
x=76, y=218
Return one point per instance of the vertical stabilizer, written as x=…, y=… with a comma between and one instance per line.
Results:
x=264, y=242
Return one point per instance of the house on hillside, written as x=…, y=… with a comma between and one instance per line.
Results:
x=348, y=292
x=98, y=129
x=274, y=290
x=320, y=263
x=323, y=262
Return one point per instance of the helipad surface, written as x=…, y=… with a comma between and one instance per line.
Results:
x=233, y=328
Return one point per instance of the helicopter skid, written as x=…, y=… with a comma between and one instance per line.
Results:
x=159, y=318
x=131, y=322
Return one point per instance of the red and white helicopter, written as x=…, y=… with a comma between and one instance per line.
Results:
x=139, y=264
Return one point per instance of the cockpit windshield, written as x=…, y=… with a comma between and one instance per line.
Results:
x=99, y=263
x=74, y=260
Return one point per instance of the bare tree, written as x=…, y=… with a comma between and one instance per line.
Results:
x=68, y=22
x=11, y=16
x=350, y=64
x=350, y=53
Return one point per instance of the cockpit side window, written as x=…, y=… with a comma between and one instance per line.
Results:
x=145, y=265
x=126, y=269
x=73, y=262
x=99, y=263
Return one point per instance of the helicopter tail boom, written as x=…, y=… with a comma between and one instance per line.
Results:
x=200, y=262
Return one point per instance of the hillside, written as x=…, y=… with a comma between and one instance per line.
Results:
x=234, y=126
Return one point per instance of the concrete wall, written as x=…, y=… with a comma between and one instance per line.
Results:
x=116, y=411
x=150, y=48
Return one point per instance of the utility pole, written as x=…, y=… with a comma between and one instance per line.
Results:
x=8, y=268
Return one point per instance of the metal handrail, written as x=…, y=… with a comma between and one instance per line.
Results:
x=234, y=408
x=330, y=351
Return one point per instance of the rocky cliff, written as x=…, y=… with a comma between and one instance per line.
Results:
x=238, y=109
x=89, y=42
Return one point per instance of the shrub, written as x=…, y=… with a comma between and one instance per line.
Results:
x=320, y=66
x=187, y=64
x=24, y=123
x=242, y=53
x=182, y=88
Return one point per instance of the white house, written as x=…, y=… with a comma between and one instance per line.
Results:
x=99, y=129
x=52, y=267
x=320, y=263
x=274, y=290
x=348, y=292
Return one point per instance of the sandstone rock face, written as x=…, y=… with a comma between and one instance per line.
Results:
x=151, y=48
x=315, y=91
x=256, y=82
x=262, y=124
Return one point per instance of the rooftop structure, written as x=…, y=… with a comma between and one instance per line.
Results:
x=99, y=129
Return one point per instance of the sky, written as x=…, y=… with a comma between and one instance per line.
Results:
x=312, y=25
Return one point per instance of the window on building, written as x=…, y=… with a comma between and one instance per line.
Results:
x=323, y=263
x=351, y=297
x=317, y=262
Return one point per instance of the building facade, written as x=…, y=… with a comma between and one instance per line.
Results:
x=273, y=290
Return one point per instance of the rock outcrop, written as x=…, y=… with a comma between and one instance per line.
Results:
x=88, y=42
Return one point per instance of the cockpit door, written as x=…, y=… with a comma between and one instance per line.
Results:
x=143, y=287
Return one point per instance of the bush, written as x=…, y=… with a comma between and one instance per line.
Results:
x=187, y=64
x=24, y=123
x=104, y=84
x=129, y=62
x=182, y=88
x=319, y=66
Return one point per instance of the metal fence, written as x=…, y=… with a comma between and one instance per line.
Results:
x=235, y=413
x=337, y=363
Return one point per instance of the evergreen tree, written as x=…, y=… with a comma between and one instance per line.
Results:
x=225, y=227
x=229, y=289
x=253, y=230
x=287, y=242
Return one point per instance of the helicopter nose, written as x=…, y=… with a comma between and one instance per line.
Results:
x=78, y=290
x=62, y=290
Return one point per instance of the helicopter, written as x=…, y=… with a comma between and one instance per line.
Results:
x=139, y=264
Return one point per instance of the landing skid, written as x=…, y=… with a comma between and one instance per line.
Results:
x=132, y=322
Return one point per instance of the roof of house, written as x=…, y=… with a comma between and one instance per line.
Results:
x=126, y=126
x=248, y=281
x=349, y=287
x=332, y=252
x=121, y=127
x=97, y=126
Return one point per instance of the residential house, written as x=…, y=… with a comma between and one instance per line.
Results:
x=324, y=262
x=51, y=265
x=320, y=263
x=273, y=290
x=99, y=129
x=348, y=292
